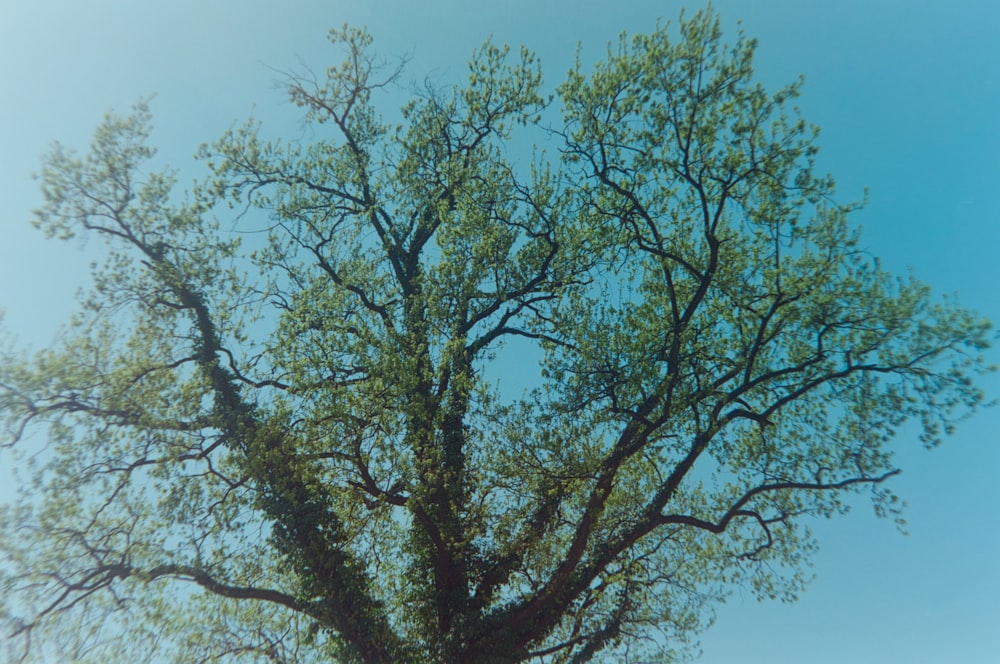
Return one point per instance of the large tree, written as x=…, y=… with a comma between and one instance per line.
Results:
x=316, y=448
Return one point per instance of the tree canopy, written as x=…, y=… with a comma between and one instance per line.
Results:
x=308, y=443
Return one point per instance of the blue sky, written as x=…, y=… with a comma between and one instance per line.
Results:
x=907, y=94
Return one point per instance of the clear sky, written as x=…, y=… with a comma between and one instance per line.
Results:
x=907, y=93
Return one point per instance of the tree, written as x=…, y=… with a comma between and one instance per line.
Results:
x=308, y=450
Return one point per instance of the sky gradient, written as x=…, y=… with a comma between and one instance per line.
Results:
x=908, y=97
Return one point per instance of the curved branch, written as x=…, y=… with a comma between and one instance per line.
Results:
x=737, y=508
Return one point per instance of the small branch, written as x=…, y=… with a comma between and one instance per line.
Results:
x=737, y=509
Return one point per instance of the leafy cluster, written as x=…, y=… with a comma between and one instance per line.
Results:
x=309, y=449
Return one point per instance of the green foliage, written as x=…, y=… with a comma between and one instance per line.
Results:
x=305, y=450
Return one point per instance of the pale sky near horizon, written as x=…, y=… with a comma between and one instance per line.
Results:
x=907, y=94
